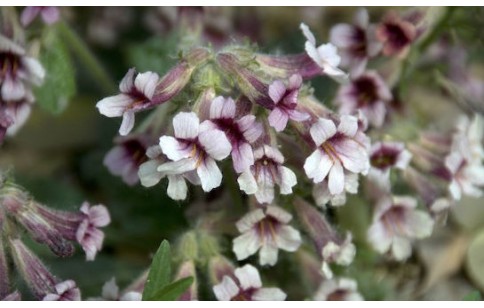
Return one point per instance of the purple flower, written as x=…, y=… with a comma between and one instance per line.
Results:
x=49, y=14
x=396, y=34
x=125, y=158
x=396, y=222
x=246, y=286
x=285, y=100
x=267, y=171
x=368, y=93
x=383, y=157
x=137, y=91
x=195, y=147
x=268, y=230
x=241, y=132
x=18, y=71
x=88, y=233
x=338, y=289
x=338, y=149
x=64, y=291
x=357, y=43
x=326, y=56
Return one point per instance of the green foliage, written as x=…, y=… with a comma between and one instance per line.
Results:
x=59, y=85
x=158, y=286
x=473, y=296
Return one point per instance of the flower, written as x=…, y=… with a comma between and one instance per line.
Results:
x=88, y=234
x=396, y=34
x=337, y=149
x=326, y=56
x=111, y=292
x=368, y=93
x=18, y=71
x=246, y=285
x=18, y=112
x=265, y=173
x=383, y=157
x=322, y=195
x=187, y=269
x=396, y=222
x=64, y=291
x=356, y=43
x=285, y=100
x=195, y=147
x=338, y=289
x=266, y=229
x=49, y=14
x=241, y=133
x=137, y=91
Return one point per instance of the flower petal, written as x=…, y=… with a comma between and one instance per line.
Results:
x=248, y=277
x=322, y=130
x=222, y=108
x=127, y=124
x=268, y=254
x=186, y=125
x=278, y=119
x=246, y=245
x=114, y=106
x=247, y=182
x=336, y=180
x=177, y=187
x=146, y=83
x=225, y=290
x=277, y=89
x=209, y=174
x=215, y=143
x=269, y=294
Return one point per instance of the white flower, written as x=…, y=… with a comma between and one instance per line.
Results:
x=337, y=149
x=339, y=251
x=396, y=222
x=267, y=171
x=322, y=195
x=339, y=289
x=383, y=157
x=246, y=286
x=326, y=56
x=268, y=230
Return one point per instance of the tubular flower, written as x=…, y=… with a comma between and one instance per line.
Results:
x=356, y=43
x=268, y=230
x=368, y=93
x=338, y=289
x=383, y=157
x=396, y=34
x=195, y=147
x=267, y=171
x=338, y=149
x=285, y=100
x=241, y=132
x=326, y=56
x=396, y=222
x=246, y=285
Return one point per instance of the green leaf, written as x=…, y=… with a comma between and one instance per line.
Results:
x=160, y=271
x=473, y=296
x=155, y=54
x=59, y=85
x=172, y=291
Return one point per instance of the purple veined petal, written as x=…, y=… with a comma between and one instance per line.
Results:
x=226, y=290
x=174, y=149
x=215, y=143
x=114, y=106
x=268, y=254
x=177, y=167
x=99, y=216
x=269, y=294
x=376, y=113
x=317, y=166
x=209, y=174
x=35, y=70
x=177, y=187
x=222, y=108
x=186, y=125
x=278, y=119
x=127, y=83
x=251, y=129
x=348, y=125
x=379, y=238
x=287, y=180
x=288, y=238
x=307, y=33
x=336, y=179
x=247, y=182
x=207, y=125
x=353, y=155
x=50, y=14
x=12, y=90
x=242, y=157
x=362, y=19
x=248, y=277
x=278, y=213
x=146, y=83
x=277, y=89
x=298, y=116
x=246, y=245
x=273, y=153
x=322, y=130
x=295, y=82
x=248, y=221
x=29, y=14
x=128, y=122
x=342, y=35
x=290, y=100
x=265, y=187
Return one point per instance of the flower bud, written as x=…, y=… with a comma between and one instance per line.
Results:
x=188, y=246
x=286, y=66
x=4, y=281
x=187, y=269
x=218, y=267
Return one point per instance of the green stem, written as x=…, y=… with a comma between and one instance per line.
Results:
x=85, y=55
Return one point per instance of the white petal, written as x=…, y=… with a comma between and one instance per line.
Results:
x=336, y=179
x=246, y=245
x=317, y=166
x=287, y=180
x=312, y=52
x=242, y=157
x=215, y=143
x=177, y=187
x=110, y=290
x=265, y=184
x=35, y=69
x=348, y=125
x=352, y=154
x=222, y=108
x=307, y=33
x=148, y=173
x=277, y=89
x=322, y=130
x=342, y=35
x=127, y=83
x=362, y=18
x=269, y=294
x=288, y=238
x=247, y=182
x=278, y=213
x=251, y=129
x=248, y=277
x=336, y=74
x=209, y=174
x=321, y=194
x=174, y=149
x=186, y=125
x=379, y=237
x=146, y=83
x=177, y=167
x=268, y=254
x=114, y=106
x=401, y=248
x=248, y=221
x=278, y=119
x=128, y=123
x=420, y=224
x=226, y=289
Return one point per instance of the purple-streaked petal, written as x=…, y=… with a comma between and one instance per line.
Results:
x=248, y=221
x=174, y=149
x=247, y=182
x=336, y=179
x=251, y=129
x=307, y=33
x=114, y=106
x=242, y=157
x=127, y=83
x=226, y=289
x=295, y=82
x=343, y=35
x=127, y=124
x=322, y=130
x=186, y=125
x=215, y=143
x=209, y=174
x=278, y=119
x=277, y=89
x=146, y=83
x=317, y=166
x=246, y=245
x=279, y=214
x=12, y=90
x=298, y=116
x=352, y=154
x=222, y=108
x=248, y=277
x=348, y=125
